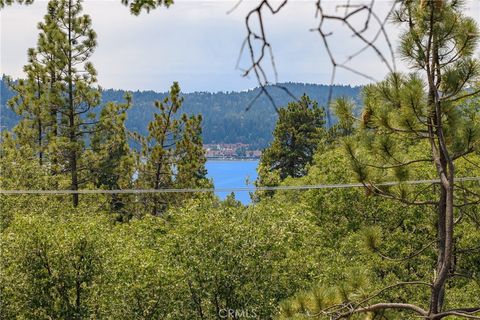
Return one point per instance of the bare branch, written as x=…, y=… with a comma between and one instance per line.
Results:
x=351, y=11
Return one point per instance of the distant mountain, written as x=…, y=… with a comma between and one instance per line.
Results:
x=225, y=119
x=8, y=118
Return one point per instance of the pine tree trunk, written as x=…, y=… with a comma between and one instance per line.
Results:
x=40, y=129
x=446, y=173
x=72, y=124
x=40, y=142
x=54, y=124
x=156, y=187
x=445, y=245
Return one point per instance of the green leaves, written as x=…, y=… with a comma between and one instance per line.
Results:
x=237, y=258
x=297, y=135
x=53, y=264
x=136, y=6
x=172, y=154
x=73, y=263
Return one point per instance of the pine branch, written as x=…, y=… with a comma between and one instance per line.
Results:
x=468, y=313
x=412, y=255
x=401, y=164
x=384, y=306
x=374, y=189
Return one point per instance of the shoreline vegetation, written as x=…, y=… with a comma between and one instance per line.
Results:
x=232, y=159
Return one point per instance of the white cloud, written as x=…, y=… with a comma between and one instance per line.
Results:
x=193, y=42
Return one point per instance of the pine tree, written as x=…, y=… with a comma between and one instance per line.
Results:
x=57, y=97
x=30, y=130
x=297, y=135
x=31, y=96
x=47, y=54
x=39, y=95
x=73, y=43
x=346, y=121
x=190, y=155
x=432, y=110
x=172, y=154
x=190, y=159
x=111, y=156
x=155, y=166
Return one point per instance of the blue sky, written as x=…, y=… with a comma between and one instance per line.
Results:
x=196, y=43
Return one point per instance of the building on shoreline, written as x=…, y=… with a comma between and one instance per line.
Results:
x=230, y=151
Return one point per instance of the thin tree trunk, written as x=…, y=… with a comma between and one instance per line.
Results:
x=40, y=128
x=73, y=138
x=40, y=142
x=156, y=187
x=445, y=172
x=54, y=124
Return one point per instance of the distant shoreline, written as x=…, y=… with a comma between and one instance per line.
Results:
x=232, y=159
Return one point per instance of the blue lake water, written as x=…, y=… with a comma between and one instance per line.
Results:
x=233, y=174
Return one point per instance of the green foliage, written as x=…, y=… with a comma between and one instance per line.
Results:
x=113, y=161
x=296, y=254
x=73, y=263
x=414, y=126
x=4, y=3
x=344, y=109
x=137, y=6
x=52, y=266
x=236, y=258
x=224, y=115
x=172, y=154
x=56, y=99
x=297, y=135
x=370, y=242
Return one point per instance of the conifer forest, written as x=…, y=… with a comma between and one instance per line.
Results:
x=366, y=203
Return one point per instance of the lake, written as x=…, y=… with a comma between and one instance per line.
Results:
x=233, y=174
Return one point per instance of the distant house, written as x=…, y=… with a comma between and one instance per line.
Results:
x=230, y=151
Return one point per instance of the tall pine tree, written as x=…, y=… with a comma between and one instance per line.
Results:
x=429, y=110
x=57, y=97
x=298, y=133
x=110, y=155
x=172, y=154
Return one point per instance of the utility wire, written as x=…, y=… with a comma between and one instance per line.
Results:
x=239, y=189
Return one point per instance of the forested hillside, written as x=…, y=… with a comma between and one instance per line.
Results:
x=8, y=118
x=225, y=118
x=375, y=217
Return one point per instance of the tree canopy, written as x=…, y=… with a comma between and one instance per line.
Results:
x=298, y=134
x=400, y=243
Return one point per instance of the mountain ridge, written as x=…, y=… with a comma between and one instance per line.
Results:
x=225, y=118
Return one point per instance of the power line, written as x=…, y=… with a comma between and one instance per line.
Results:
x=239, y=189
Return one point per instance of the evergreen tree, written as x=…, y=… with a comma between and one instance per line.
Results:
x=31, y=129
x=74, y=43
x=112, y=159
x=56, y=99
x=430, y=107
x=422, y=125
x=346, y=121
x=172, y=153
x=190, y=155
x=32, y=95
x=298, y=133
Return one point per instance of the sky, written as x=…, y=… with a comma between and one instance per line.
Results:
x=197, y=43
